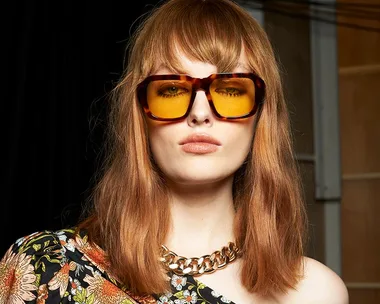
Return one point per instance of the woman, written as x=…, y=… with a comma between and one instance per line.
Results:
x=199, y=200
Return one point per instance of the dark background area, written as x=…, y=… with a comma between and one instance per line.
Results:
x=60, y=60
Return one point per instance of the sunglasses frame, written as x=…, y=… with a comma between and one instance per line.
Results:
x=201, y=84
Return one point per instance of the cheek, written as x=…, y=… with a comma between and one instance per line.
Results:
x=160, y=141
x=240, y=139
x=241, y=147
x=155, y=141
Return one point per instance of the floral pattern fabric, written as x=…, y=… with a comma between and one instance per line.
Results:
x=49, y=267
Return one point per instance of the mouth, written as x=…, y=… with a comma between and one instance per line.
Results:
x=200, y=143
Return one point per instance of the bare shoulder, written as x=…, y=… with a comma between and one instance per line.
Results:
x=319, y=285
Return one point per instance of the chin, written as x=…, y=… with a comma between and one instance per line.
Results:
x=198, y=171
x=200, y=177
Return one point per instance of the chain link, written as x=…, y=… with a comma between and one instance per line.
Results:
x=196, y=266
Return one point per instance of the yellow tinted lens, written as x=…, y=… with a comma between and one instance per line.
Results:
x=233, y=97
x=168, y=98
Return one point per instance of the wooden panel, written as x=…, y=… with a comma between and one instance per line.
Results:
x=356, y=46
x=360, y=231
x=360, y=122
x=364, y=296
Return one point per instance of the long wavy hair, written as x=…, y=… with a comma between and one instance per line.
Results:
x=130, y=214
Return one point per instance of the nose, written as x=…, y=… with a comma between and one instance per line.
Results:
x=200, y=112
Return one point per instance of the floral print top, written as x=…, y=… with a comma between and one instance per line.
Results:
x=49, y=267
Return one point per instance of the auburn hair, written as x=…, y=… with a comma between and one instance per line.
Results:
x=130, y=216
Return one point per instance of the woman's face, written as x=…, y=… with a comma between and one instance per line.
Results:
x=200, y=163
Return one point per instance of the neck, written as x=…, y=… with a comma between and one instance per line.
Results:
x=202, y=218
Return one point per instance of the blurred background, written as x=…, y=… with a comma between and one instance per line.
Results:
x=61, y=59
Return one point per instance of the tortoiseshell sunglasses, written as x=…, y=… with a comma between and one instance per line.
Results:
x=171, y=97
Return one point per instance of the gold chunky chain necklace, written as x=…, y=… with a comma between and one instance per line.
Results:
x=196, y=266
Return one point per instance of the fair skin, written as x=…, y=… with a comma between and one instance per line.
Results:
x=201, y=197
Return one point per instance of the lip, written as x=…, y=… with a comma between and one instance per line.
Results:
x=199, y=143
x=200, y=138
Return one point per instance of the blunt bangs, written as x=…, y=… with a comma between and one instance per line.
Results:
x=201, y=31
